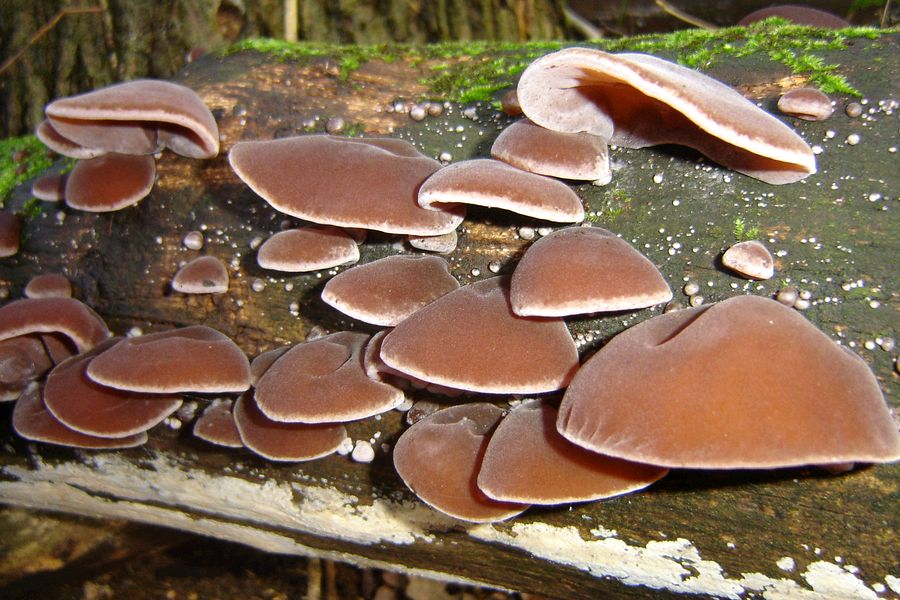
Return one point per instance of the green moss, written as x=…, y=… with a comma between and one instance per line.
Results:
x=742, y=232
x=33, y=160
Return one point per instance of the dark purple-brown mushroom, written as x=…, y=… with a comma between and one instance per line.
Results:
x=470, y=339
x=495, y=184
x=202, y=275
x=48, y=285
x=10, y=230
x=189, y=359
x=439, y=457
x=744, y=383
x=110, y=182
x=216, y=424
x=307, y=249
x=527, y=460
x=637, y=100
x=67, y=316
x=751, y=259
x=50, y=187
x=344, y=182
x=806, y=103
x=388, y=290
x=583, y=270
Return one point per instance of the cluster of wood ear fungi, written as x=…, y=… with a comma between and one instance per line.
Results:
x=745, y=383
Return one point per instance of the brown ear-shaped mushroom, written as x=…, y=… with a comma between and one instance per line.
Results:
x=806, y=103
x=495, y=184
x=637, y=100
x=470, y=339
x=10, y=230
x=217, y=426
x=48, y=285
x=344, y=182
x=527, y=460
x=532, y=148
x=115, y=118
x=583, y=270
x=324, y=381
x=750, y=259
x=744, y=383
x=33, y=421
x=202, y=275
x=291, y=442
x=307, y=249
x=189, y=359
x=50, y=187
x=438, y=458
x=67, y=316
x=90, y=408
x=388, y=290
x=261, y=363
x=110, y=182
x=62, y=145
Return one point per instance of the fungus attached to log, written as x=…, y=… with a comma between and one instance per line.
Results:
x=50, y=187
x=806, y=103
x=48, y=285
x=751, y=259
x=62, y=145
x=202, y=275
x=110, y=182
x=216, y=425
x=67, y=316
x=307, y=249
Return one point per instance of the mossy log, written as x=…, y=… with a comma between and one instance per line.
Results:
x=783, y=533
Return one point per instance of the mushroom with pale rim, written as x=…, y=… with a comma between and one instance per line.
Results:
x=750, y=259
x=806, y=103
x=202, y=275
x=216, y=424
x=110, y=182
x=67, y=316
x=48, y=285
x=50, y=187
x=62, y=145
x=442, y=244
x=307, y=249
x=10, y=230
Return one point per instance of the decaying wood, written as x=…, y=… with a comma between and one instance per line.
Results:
x=709, y=533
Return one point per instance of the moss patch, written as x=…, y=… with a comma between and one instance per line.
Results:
x=21, y=159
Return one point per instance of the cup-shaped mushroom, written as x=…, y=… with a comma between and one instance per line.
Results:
x=33, y=421
x=93, y=409
x=806, y=103
x=470, y=339
x=584, y=270
x=10, y=230
x=386, y=291
x=288, y=442
x=744, y=383
x=202, y=275
x=536, y=149
x=343, y=182
x=527, y=460
x=50, y=187
x=48, y=285
x=110, y=182
x=216, y=424
x=189, y=359
x=67, y=316
x=307, y=249
x=750, y=259
x=637, y=100
x=438, y=458
x=495, y=184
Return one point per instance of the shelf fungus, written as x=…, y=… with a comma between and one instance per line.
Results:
x=202, y=275
x=307, y=249
x=110, y=182
x=750, y=259
x=386, y=291
x=54, y=140
x=216, y=424
x=68, y=316
x=745, y=383
x=638, y=100
x=584, y=270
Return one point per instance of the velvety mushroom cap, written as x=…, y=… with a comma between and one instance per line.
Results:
x=307, y=249
x=438, y=458
x=745, y=383
x=202, y=275
x=110, y=182
x=801, y=15
x=442, y=244
x=261, y=363
x=87, y=407
x=470, y=339
x=388, y=290
x=10, y=229
x=806, y=103
x=216, y=425
x=583, y=270
x=48, y=285
x=637, y=100
x=324, y=381
x=189, y=359
x=341, y=181
x=185, y=124
x=50, y=187
x=62, y=145
x=527, y=460
x=33, y=421
x=68, y=316
x=495, y=184
x=535, y=149
x=750, y=259
x=284, y=441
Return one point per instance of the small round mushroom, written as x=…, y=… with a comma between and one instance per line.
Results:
x=528, y=461
x=48, y=285
x=442, y=244
x=307, y=249
x=535, y=149
x=22, y=360
x=202, y=275
x=439, y=457
x=584, y=270
x=806, y=103
x=386, y=291
x=62, y=145
x=746, y=383
x=10, y=230
x=67, y=316
x=750, y=259
x=217, y=426
x=110, y=182
x=189, y=359
x=470, y=339
x=50, y=187
x=800, y=15
x=92, y=409
x=288, y=442
x=494, y=184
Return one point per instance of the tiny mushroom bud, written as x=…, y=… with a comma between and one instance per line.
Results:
x=750, y=259
x=438, y=458
x=806, y=103
x=48, y=285
x=217, y=426
x=10, y=230
x=50, y=187
x=67, y=316
x=307, y=249
x=202, y=275
x=110, y=182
